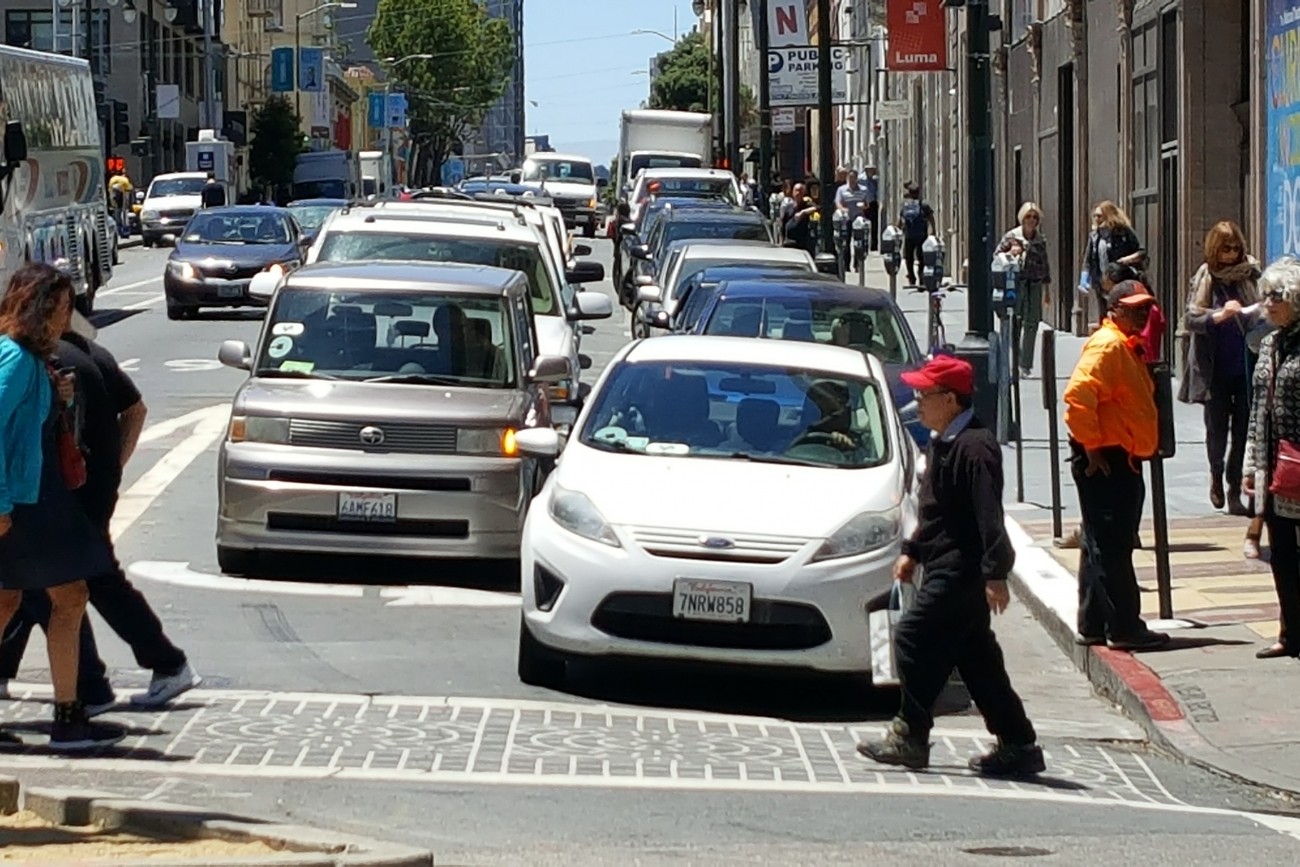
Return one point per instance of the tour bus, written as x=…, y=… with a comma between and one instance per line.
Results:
x=53, y=204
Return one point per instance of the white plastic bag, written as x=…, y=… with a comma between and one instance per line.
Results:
x=881, y=625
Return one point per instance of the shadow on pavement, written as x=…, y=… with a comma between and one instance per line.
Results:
x=1190, y=642
x=110, y=316
x=498, y=576
x=236, y=315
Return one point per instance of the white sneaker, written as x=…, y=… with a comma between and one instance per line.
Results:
x=164, y=689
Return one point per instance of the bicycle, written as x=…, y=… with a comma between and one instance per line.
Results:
x=938, y=337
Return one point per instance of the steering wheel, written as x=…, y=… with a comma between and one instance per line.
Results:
x=816, y=437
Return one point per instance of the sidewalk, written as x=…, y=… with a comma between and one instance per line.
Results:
x=1205, y=697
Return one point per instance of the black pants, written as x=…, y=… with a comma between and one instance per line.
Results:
x=949, y=626
x=873, y=214
x=123, y=607
x=1109, y=601
x=1285, y=548
x=1227, y=412
x=912, y=258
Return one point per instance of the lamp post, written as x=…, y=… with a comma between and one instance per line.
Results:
x=297, y=47
x=658, y=33
x=762, y=43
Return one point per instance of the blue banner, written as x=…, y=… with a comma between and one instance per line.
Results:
x=375, y=108
x=1282, y=128
x=282, y=70
x=453, y=172
x=397, y=109
x=311, y=70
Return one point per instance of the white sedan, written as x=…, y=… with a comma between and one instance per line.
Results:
x=721, y=500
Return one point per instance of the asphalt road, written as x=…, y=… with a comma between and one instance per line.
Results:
x=381, y=697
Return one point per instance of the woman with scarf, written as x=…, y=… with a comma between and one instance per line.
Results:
x=1112, y=241
x=1026, y=242
x=1273, y=448
x=1221, y=311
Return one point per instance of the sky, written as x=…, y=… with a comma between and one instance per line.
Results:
x=583, y=66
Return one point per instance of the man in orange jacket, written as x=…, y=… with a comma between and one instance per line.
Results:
x=1110, y=411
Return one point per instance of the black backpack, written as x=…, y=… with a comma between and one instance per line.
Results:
x=915, y=226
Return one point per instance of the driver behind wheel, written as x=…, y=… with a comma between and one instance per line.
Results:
x=836, y=422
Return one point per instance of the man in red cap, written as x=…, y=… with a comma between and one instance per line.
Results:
x=1110, y=410
x=962, y=545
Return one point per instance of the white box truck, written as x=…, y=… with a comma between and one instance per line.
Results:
x=377, y=175
x=650, y=138
x=326, y=175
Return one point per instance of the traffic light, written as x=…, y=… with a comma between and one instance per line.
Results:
x=99, y=92
x=115, y=165
x=121, y=124
x=140, y=147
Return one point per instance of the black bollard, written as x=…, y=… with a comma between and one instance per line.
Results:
x=1053, y=432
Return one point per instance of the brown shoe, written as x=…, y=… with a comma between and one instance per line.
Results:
x=1216, y=493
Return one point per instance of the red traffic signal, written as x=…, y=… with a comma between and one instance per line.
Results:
x=115, y=165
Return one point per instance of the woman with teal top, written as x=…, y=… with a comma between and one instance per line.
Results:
x=46, y=541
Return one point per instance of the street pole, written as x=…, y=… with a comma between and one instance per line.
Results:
x=209, y=69
x=297, y=70
x=719, y=77
x=763, y=38
x=733, y=86
x=825, y=125
x=974, y=347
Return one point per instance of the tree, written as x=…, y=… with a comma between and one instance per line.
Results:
x=470, y=57
x=276, y=140
x=683, y=81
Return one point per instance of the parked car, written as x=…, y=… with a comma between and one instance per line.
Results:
x=381, y=413
x=696, y=296
x=736, y=224
x=721, y=500
x=312, y=213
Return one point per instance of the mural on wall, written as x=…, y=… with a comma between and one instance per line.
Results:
x=1283, y=128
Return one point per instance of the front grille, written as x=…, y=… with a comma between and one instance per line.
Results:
x=772, y=626
x=434, y=529
x=407, y=437
x=358, y=480
x=690, y=545
x=177, y=213
x=225, y=272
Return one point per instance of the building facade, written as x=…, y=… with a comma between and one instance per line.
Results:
x=502, y=131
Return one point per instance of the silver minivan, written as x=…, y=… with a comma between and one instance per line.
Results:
x=380, y=415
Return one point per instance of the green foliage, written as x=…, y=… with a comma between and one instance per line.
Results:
x=683, y=81
x=276, y=140
x=470, y=59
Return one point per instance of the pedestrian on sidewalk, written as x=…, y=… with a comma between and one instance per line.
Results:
x=1111, y=416
x=961, y=545
x=871, y=186
x=1027, y=243
x=850, y=203
x=113, y=415
x=916, y=219
x=47, y=543
x=1272, y=464
x=801, y=225
x=1221, y=311
x=1111, y=241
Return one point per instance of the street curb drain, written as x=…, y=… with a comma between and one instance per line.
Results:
x=295, y=845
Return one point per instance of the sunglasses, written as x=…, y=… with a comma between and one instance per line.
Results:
x=934, y=392
x=1232, y=248
x=1274, y=296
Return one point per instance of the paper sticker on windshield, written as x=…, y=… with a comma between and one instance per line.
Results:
x=667, y=449
x=280, y=346
x=292, y=329
x=298, y=366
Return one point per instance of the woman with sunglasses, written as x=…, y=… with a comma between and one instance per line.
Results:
x=1112, y=241
x=1273, y=446
x=1026, y=243
x=1221, y=311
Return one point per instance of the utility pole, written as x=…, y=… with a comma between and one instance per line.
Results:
x=210, y=69
x=762, y=38
x=733, y=86
x=825, y=125
x=718, y=84
x=974, y=347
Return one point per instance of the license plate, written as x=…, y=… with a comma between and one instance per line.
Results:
x=725, y=601
x=230, y=290
x=368, y=508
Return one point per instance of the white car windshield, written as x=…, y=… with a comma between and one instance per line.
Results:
x=870, y=330
x=404, y=247
x=557, y=170
x=431, y=338
x=214, y=227
x=739, y=412
x=165, y=187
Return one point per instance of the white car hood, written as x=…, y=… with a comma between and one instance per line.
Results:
x=172, y=203
x=725, y=496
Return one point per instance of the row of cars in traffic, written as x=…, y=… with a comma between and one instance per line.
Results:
x=735, y=485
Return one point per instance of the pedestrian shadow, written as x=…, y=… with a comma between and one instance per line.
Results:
x=378, y=571
x=41, y=747
x=239, y=314
x=111, y=316
x=1191, y=642
x=1044, y=781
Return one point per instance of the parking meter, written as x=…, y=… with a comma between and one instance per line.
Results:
x=1006, y=277
x=891, y=249
x=827, y=263
x=932, y=260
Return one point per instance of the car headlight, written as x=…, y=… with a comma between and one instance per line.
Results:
x=183, y=270
x=488, y=441
x=257, y=429
x=148, y=215
x=592, y=203
x=869, y=531
x=577, y=514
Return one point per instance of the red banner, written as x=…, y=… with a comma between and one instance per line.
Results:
x=918, y=36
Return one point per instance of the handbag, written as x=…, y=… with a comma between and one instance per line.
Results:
x=882, y=625
x=1284, y=480
x=72, y=462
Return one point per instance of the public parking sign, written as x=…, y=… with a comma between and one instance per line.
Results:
x=792, y=75
x=282, y=70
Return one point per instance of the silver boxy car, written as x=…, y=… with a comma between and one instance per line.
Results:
x=380, y=416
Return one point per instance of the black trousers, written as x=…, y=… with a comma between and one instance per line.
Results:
x=1109, y=601
x=912, y=258
x=123, y=607
x=873, y=214
x=949, y=626
x=1227, y=412
x=1284, y=545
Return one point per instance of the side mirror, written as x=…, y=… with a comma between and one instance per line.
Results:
x=550, y=369
x=264, y=284
x=654, y=316
x=236, y=354
x=601, y=183
x=585, y=272
x=306, y=239
x=641, y=251
x=650, y=295
x=581, y=250
x=538, y=442
x=516, y=177
x=645, y=280
x=627, y=229
x=15, y=143
x=592, y=305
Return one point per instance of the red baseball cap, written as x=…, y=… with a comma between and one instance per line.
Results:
x=943, y=371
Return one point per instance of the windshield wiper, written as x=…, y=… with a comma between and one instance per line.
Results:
x=775, y=459
x=293, y=374
x=430, y=378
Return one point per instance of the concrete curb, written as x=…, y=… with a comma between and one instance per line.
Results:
x=301, y=846
x=1042, y=583
x=128, y=243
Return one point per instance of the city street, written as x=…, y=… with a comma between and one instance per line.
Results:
x=381, y=698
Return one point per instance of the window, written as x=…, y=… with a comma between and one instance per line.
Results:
x=26, y=28
x=870, y=330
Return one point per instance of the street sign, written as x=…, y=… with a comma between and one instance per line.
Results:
x=206, y=161
x=453, y=171
x=792, y=75
x=787, y=23
x=311, y=70
x=375, y=108
x=893, y=109
x=282, y=69
x=918, y=36
x=168, y=100
x=397, y=106
x=783, y=120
